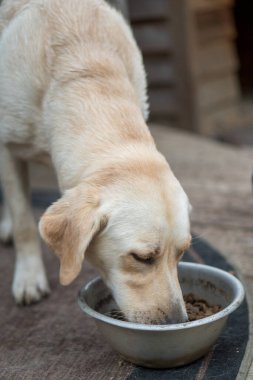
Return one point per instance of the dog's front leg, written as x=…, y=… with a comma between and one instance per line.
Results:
x=30, y=282
x=6, y=224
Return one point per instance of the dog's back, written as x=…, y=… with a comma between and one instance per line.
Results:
x=41, y=41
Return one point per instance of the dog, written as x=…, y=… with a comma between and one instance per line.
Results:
x=73, y=94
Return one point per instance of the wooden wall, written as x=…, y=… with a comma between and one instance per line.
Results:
x=151, y=22
x=244, y=25
x=191, y=61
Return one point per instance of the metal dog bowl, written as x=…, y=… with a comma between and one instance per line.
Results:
x=163, y=346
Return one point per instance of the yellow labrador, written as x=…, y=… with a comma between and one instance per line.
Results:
x=73, y=92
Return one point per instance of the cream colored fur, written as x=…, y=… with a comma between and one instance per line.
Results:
x=73, y=92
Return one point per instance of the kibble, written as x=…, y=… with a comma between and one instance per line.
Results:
x=199, y=308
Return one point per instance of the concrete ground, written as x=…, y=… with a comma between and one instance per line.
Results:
x=217, y=179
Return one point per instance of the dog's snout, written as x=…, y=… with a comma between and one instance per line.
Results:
x=178, y=314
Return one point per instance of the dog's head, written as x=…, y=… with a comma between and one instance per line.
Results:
x=134, y=230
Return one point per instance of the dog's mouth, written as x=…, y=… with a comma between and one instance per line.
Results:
x=119, y=315
x=109, y=308
x=196, y=309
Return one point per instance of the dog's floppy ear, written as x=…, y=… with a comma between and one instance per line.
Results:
x=68, y=227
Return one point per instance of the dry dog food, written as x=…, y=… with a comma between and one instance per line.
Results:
x=199, y=308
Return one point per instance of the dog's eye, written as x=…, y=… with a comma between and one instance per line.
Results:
x=145, y=260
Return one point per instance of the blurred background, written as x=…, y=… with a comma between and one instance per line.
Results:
x=199, y=57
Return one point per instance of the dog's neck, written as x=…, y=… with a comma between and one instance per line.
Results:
x=100, y=117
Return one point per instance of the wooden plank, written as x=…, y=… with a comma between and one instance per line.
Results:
x=216, y=58
x=122, y=5
x=204, y=5
x=213, y=93
x=160, y=70
x=142, y=10
x=184, y=52
x=153, y=38
x=220, y=120
x=215, y=24
x=163, y=102
x=213, y=18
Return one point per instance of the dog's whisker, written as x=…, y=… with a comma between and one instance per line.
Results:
x=199, y=236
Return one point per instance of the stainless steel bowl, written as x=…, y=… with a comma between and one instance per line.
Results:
x=164, y=346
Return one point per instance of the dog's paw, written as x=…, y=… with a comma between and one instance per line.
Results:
x=6, y=230
x=30, y=283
